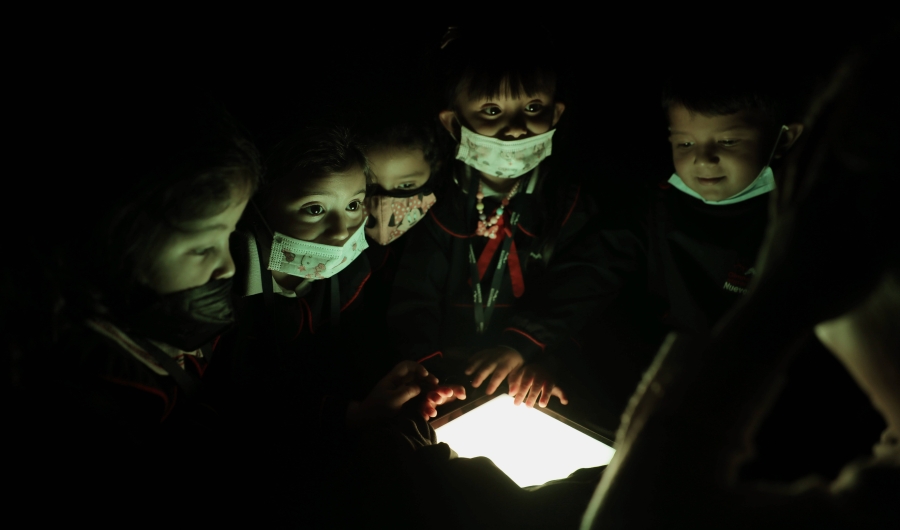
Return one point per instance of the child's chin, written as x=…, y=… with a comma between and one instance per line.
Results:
x=713, y=196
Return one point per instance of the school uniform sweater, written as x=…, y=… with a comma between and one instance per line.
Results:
x=101, y=427
x=432, y=305
x=290, y=360
x=661, y=261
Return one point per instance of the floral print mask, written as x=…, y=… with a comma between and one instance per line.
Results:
x=503, y=158
x=314, y=261
x=390, y=217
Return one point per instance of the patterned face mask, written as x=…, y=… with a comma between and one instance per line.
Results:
x=503, y=158
x=314, y=261
x=390, y=217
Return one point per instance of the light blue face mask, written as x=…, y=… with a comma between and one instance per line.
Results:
x=763, y=183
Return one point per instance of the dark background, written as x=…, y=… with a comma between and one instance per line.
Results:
x=285, y=70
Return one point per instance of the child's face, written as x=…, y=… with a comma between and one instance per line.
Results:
x=398, y=168
x=717, y=156
x=198, y=252
x=504, y=117
x=326, y=209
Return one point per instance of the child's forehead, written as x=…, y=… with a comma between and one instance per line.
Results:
x=684, y=120
x=473, y=91
x=301, y=184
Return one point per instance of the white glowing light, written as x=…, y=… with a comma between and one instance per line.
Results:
x=528, y=445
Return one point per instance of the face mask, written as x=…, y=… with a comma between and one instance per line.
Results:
x=314, y=261
x=392, y=213
x=500, y=158
x=763, y=183
x=186, y=319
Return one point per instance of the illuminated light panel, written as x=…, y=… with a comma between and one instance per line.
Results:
x=528, y=445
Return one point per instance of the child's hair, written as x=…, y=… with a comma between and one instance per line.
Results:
x=731, y=91
x=160, y=164
x=398, y=128
x=310, y=153
x=464, y=65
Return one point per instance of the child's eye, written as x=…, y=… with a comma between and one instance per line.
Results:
x=728, y=142
x=354, y=206
x=491, y=111
x=534, y=107
x=683, y=145
x=315, y=209
x=202, y=251
x=406, y=186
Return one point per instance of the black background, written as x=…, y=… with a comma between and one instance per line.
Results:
x=281, y=70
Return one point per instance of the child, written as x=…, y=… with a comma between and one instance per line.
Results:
x=681, y=259
x=404, y=167
x=145, y=282
x=404, y=164
x=494, y=229
x=304, y=262
x=689, y=425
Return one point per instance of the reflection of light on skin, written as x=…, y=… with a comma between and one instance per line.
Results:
x=529, y=446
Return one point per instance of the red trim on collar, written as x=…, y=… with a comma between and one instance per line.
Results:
x=526, y=232
x=303, y=313
x=435, y=354
x=200, y=368
x=445, y=229
x=303, y=301
x=358, y=290
x=572, y=209
x=155, y=391
x=527, y=336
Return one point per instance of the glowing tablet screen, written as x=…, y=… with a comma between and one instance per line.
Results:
x=528, y=445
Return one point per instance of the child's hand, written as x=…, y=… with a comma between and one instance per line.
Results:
x=499, y=361
x=439, y=396
x=532, y=380
x=404, y=382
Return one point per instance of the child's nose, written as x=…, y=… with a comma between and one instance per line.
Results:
x=707, y=155
x=339, y=231
x=225, y=269
x=516, y=127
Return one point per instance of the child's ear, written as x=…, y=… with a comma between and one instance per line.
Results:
x=449, y=121
x=788, y=137
x=558, y=108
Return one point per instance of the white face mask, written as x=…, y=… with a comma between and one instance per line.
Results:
x=763, y=183
x=315, y=261
x=502, y=158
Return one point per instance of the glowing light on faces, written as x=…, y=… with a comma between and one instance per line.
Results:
x=551, y=449
x=198, y=252
x=716, y=156
x=325, y=209
x=397, y=168
x=505, y=117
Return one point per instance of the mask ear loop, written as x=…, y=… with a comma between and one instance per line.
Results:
x=775, y=147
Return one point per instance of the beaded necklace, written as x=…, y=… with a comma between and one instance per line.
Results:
x=487, y=227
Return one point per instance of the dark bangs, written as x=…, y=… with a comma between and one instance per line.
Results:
x=730, y=92
x=492, y=81
x=313, y=152
x=467, y=68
